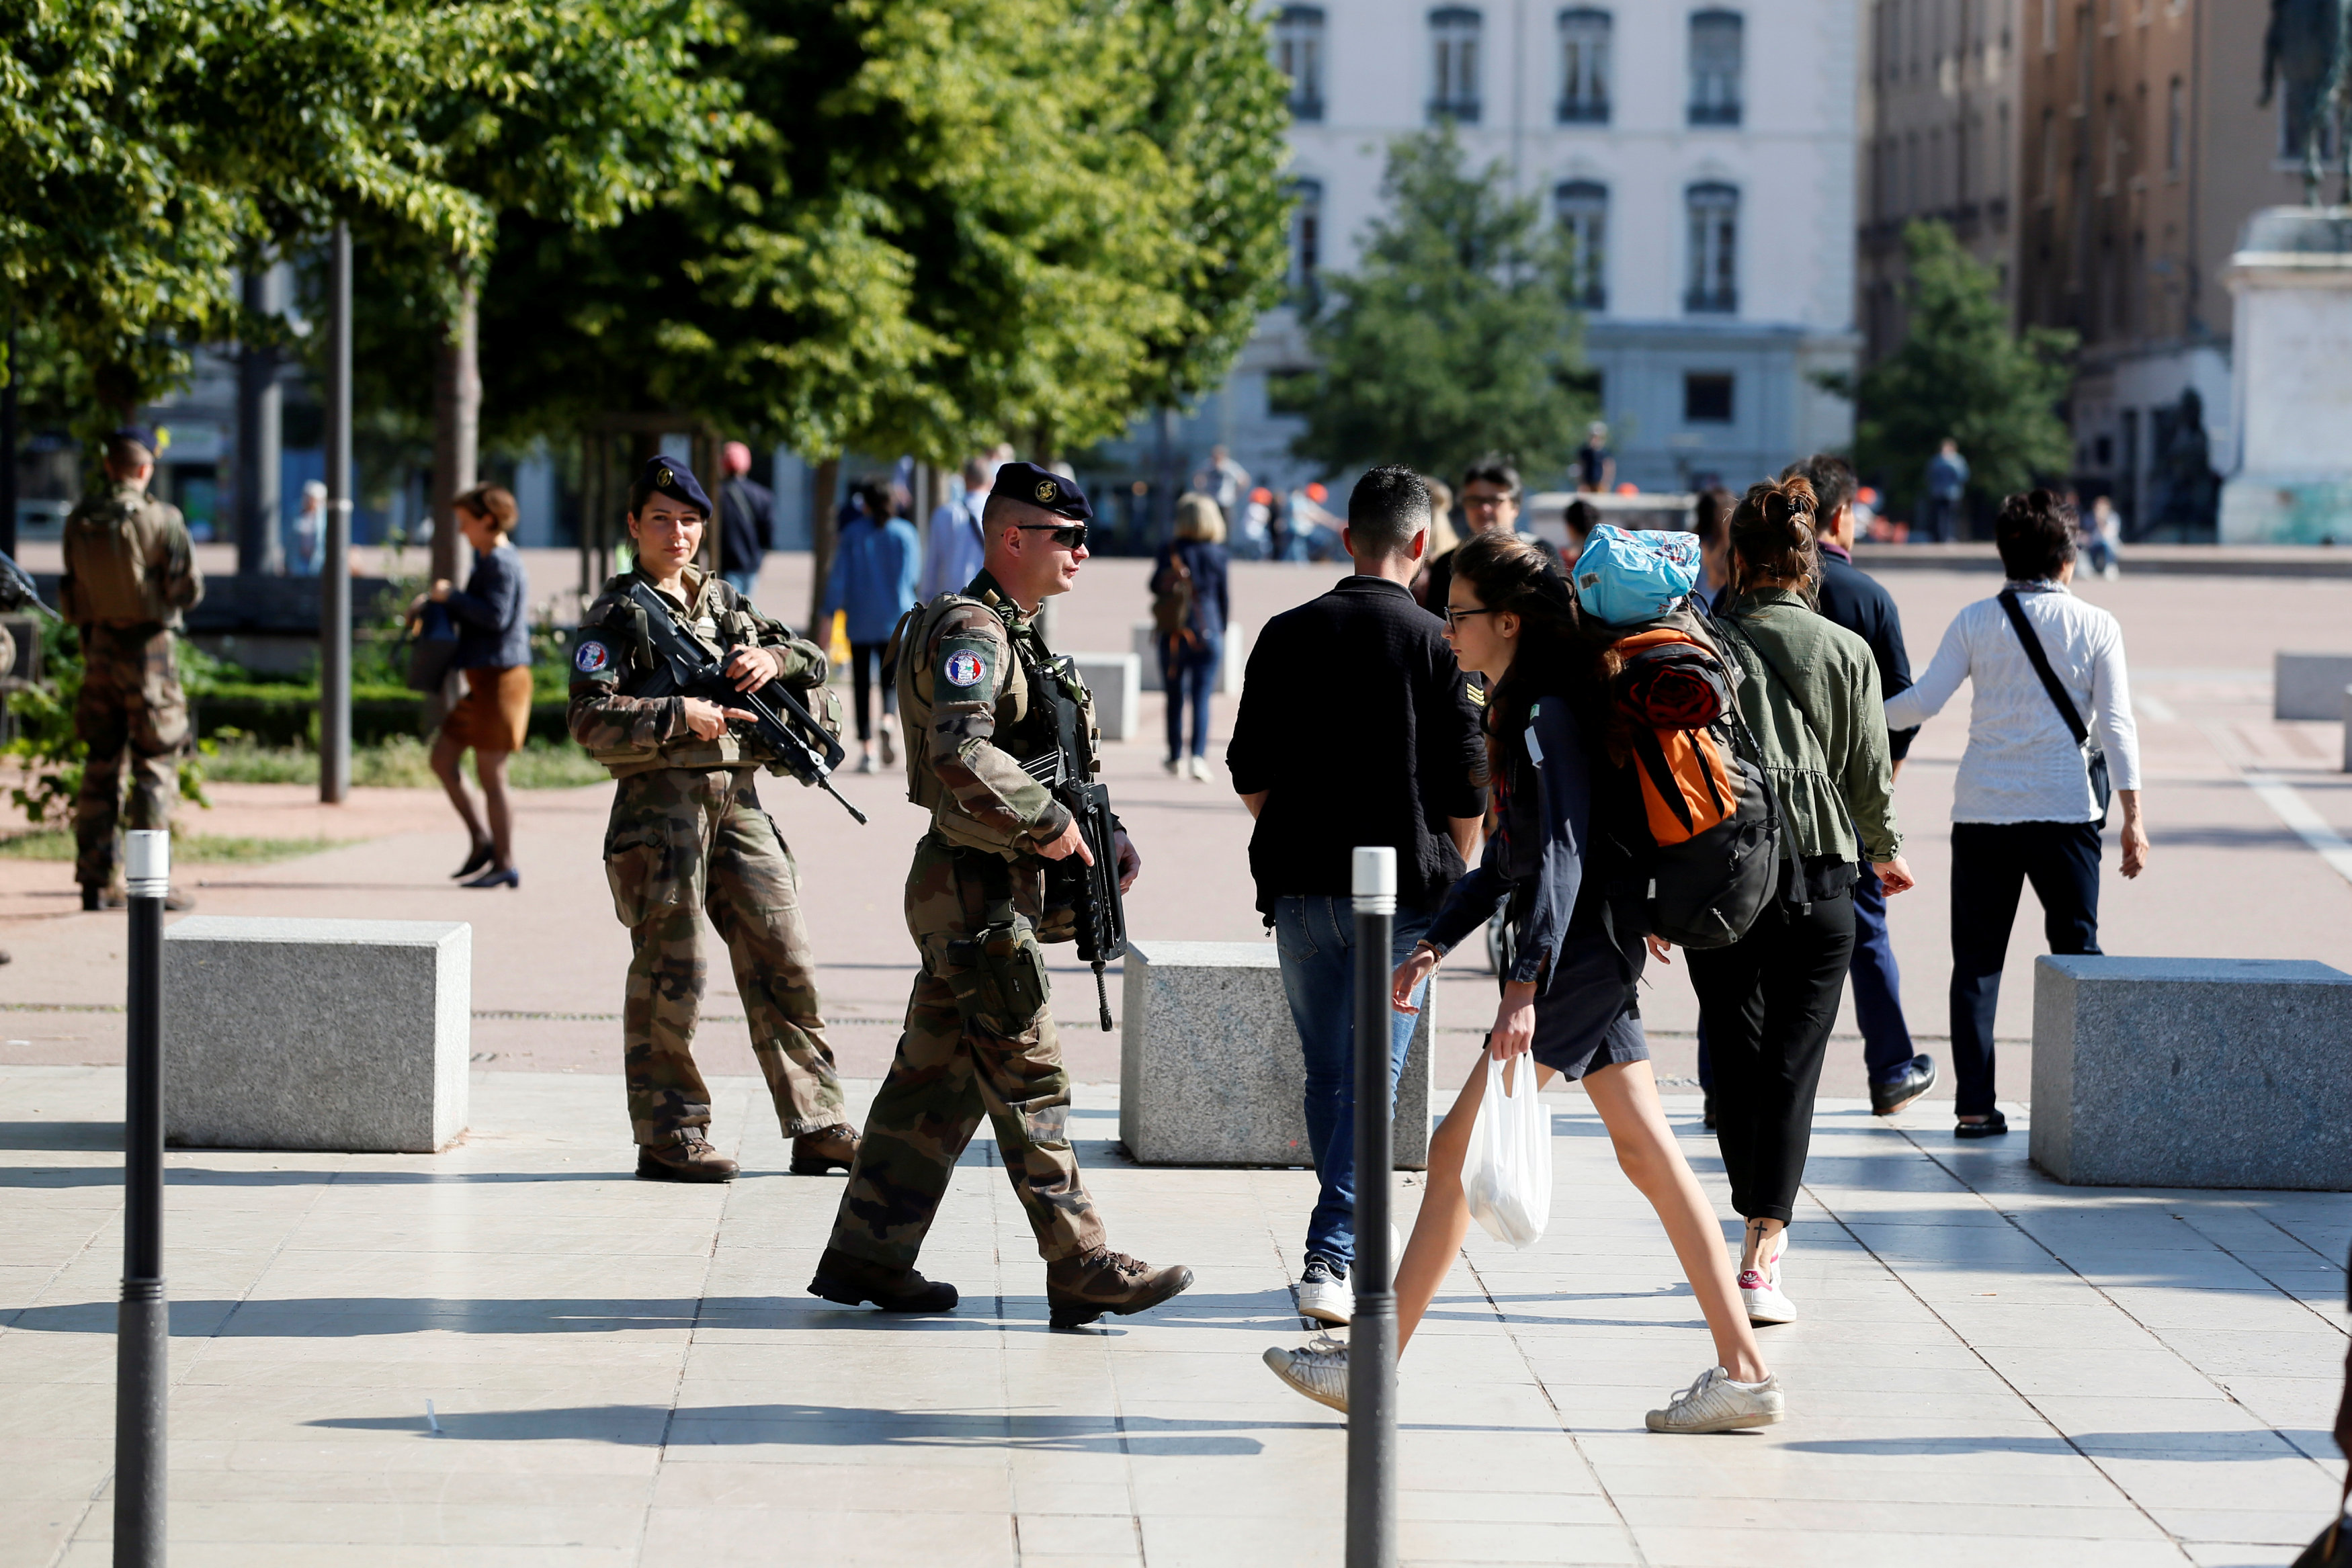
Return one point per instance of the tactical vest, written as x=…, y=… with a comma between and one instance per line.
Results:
x=106, y=556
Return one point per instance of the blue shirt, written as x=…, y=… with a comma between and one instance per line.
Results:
x=1212, y=599
x=874, y=572
x=493, y=632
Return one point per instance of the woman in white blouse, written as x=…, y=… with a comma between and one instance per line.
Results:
x=2024, y=808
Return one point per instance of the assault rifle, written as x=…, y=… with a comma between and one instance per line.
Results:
x=807, y=752
x=16, y=589
x=1092, y=891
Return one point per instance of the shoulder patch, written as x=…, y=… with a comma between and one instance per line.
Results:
x=964, y=667
x=592, y=657
x=1477, y=692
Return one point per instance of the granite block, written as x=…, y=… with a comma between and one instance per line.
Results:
x=1229, y=668
x=349, y=1035
x=1211, y=1073
x=2347, y=729
x=2192, y=1072
x=2309, y=686
x=1116, y=682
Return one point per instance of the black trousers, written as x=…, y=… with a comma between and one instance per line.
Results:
x=1991, y=864
x=1768, y=1002
x=864, y=659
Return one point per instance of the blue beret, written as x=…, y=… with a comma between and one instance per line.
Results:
x=138, y=432
x=668, y=476
x=1044, y=488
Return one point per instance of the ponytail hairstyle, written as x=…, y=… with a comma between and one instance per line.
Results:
x=1773, y=531
x=1555, y=653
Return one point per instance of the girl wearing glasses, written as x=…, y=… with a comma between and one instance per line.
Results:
x=1566, y=1007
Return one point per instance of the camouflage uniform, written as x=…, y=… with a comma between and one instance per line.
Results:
x=979, y=1029
x=688, y=834
x=129, y=573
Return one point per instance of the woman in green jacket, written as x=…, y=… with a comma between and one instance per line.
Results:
x=1811, y=698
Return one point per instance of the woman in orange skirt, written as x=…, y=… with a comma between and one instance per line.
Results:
x=494, y=655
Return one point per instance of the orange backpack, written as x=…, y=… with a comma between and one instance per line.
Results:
x=1672, y=692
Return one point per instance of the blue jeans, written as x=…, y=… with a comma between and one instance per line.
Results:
x=1190, y=677
x=1314, y=936
x=743, y=581
x=1886, y=1047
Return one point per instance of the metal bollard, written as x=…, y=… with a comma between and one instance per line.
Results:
x=1372, y=1336
x=143, y=1326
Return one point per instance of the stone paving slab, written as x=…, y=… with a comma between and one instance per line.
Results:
x=631, y=1375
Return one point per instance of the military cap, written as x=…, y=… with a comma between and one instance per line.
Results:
x=668, y=476
x=139, y=435
x=1043, y=488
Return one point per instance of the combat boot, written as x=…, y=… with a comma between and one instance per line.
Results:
x=1080, y=1290
x=827, y=1149
x=690, y=1159
x=848, y=1280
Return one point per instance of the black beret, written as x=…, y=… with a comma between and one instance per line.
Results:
x=1044, y=488
x=138, y=434
x=668, y=476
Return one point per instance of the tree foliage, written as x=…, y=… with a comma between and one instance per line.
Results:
x=1962, y=374
x=1456, y=336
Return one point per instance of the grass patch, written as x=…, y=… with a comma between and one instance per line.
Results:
x=400, y=763
x=57, y=844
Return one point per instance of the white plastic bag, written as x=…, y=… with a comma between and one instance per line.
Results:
x=1506, y=1175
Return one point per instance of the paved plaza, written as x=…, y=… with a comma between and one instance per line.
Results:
x=1990, y=1365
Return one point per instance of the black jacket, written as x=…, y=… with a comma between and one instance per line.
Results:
x=746, y=524
x=1853, y=599
x=1357, y=723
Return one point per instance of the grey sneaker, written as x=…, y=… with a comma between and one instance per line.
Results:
x=1324, y=1293
x=1716, y=1404
x=1319, y=1369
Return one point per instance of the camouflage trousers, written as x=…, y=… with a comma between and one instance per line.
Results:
x=131, y=705
x=683, y=842
x=979, y=1038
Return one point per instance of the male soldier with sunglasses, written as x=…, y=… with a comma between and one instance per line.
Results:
x=980, y=695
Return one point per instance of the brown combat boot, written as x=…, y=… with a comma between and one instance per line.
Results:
x=690, y=1159
x=848, y=1280
x=827, y=1149
x=1080, y=1290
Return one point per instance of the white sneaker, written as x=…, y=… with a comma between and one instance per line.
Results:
x=1759, y=1289
x=1324, y=1293
x=1201, y=769
x=1713, y=1404
x=1319, y=1369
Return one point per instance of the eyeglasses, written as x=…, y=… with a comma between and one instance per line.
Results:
x=1454, y=618
x=1485, y=500
x=1069, y=536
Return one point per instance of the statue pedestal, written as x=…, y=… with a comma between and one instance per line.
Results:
x=2291, y=379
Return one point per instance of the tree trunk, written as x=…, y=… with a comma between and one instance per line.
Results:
x=457, y=425
x=823, y=532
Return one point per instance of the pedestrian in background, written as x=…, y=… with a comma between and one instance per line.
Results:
x=1223, y=481
x=1443, y=538
x=953, y=557
x=1711, y=520
x=1947, y=482
x=1596, y=465
x=1809, y=697
x=309, y=528
x=747, y=528
x=1355, y=727
x=1490, y=501
x=872, y=583
x=2102, y=537
x=493, y=718
x=1579, y=518
x=2030, y=799
x=1189, y=609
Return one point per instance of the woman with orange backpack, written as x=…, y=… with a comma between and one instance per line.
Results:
x=1568, y=1004
x=1809, y=697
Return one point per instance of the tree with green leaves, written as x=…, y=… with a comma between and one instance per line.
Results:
x=1962, y=374
x=1456, y=336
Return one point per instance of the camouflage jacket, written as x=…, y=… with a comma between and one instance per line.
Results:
x=967, y=667
x=625, y=710
x=128, y=562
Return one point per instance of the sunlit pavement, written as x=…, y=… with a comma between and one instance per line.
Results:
x=1989, y=1367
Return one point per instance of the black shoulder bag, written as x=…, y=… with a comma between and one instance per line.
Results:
x=2093, y=759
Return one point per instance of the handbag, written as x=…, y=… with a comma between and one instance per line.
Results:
x=2094, y=758
x=432, y=648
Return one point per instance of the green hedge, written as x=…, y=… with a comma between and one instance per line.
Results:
x=283, y=714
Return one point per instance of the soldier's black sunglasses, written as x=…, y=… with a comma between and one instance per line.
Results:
x=1069, y=536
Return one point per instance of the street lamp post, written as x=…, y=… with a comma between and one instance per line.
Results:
x=335, y=571
x=142, y=1322
x=1372, y=1333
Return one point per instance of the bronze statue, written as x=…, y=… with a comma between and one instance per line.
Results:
x=2306, y=48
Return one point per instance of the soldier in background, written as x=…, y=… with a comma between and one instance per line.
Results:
x=687, y=834
x=129, y=573
x=980, y=689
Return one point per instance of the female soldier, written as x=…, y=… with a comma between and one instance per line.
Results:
x=687, y=830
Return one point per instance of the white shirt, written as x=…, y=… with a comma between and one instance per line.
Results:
x=2022, y=764
x=957, y=547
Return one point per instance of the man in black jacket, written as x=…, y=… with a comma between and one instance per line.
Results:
x=747, y=512
x=1355, y=727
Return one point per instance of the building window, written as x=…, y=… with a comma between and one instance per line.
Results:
x=1305, y=241
x=1714, y=48
x=1298, y=54
x=1584, y=67
x=1454, y=60
x=1706, y=397
x=2175, y=127
x=1583, y=208
x=1714, y=287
